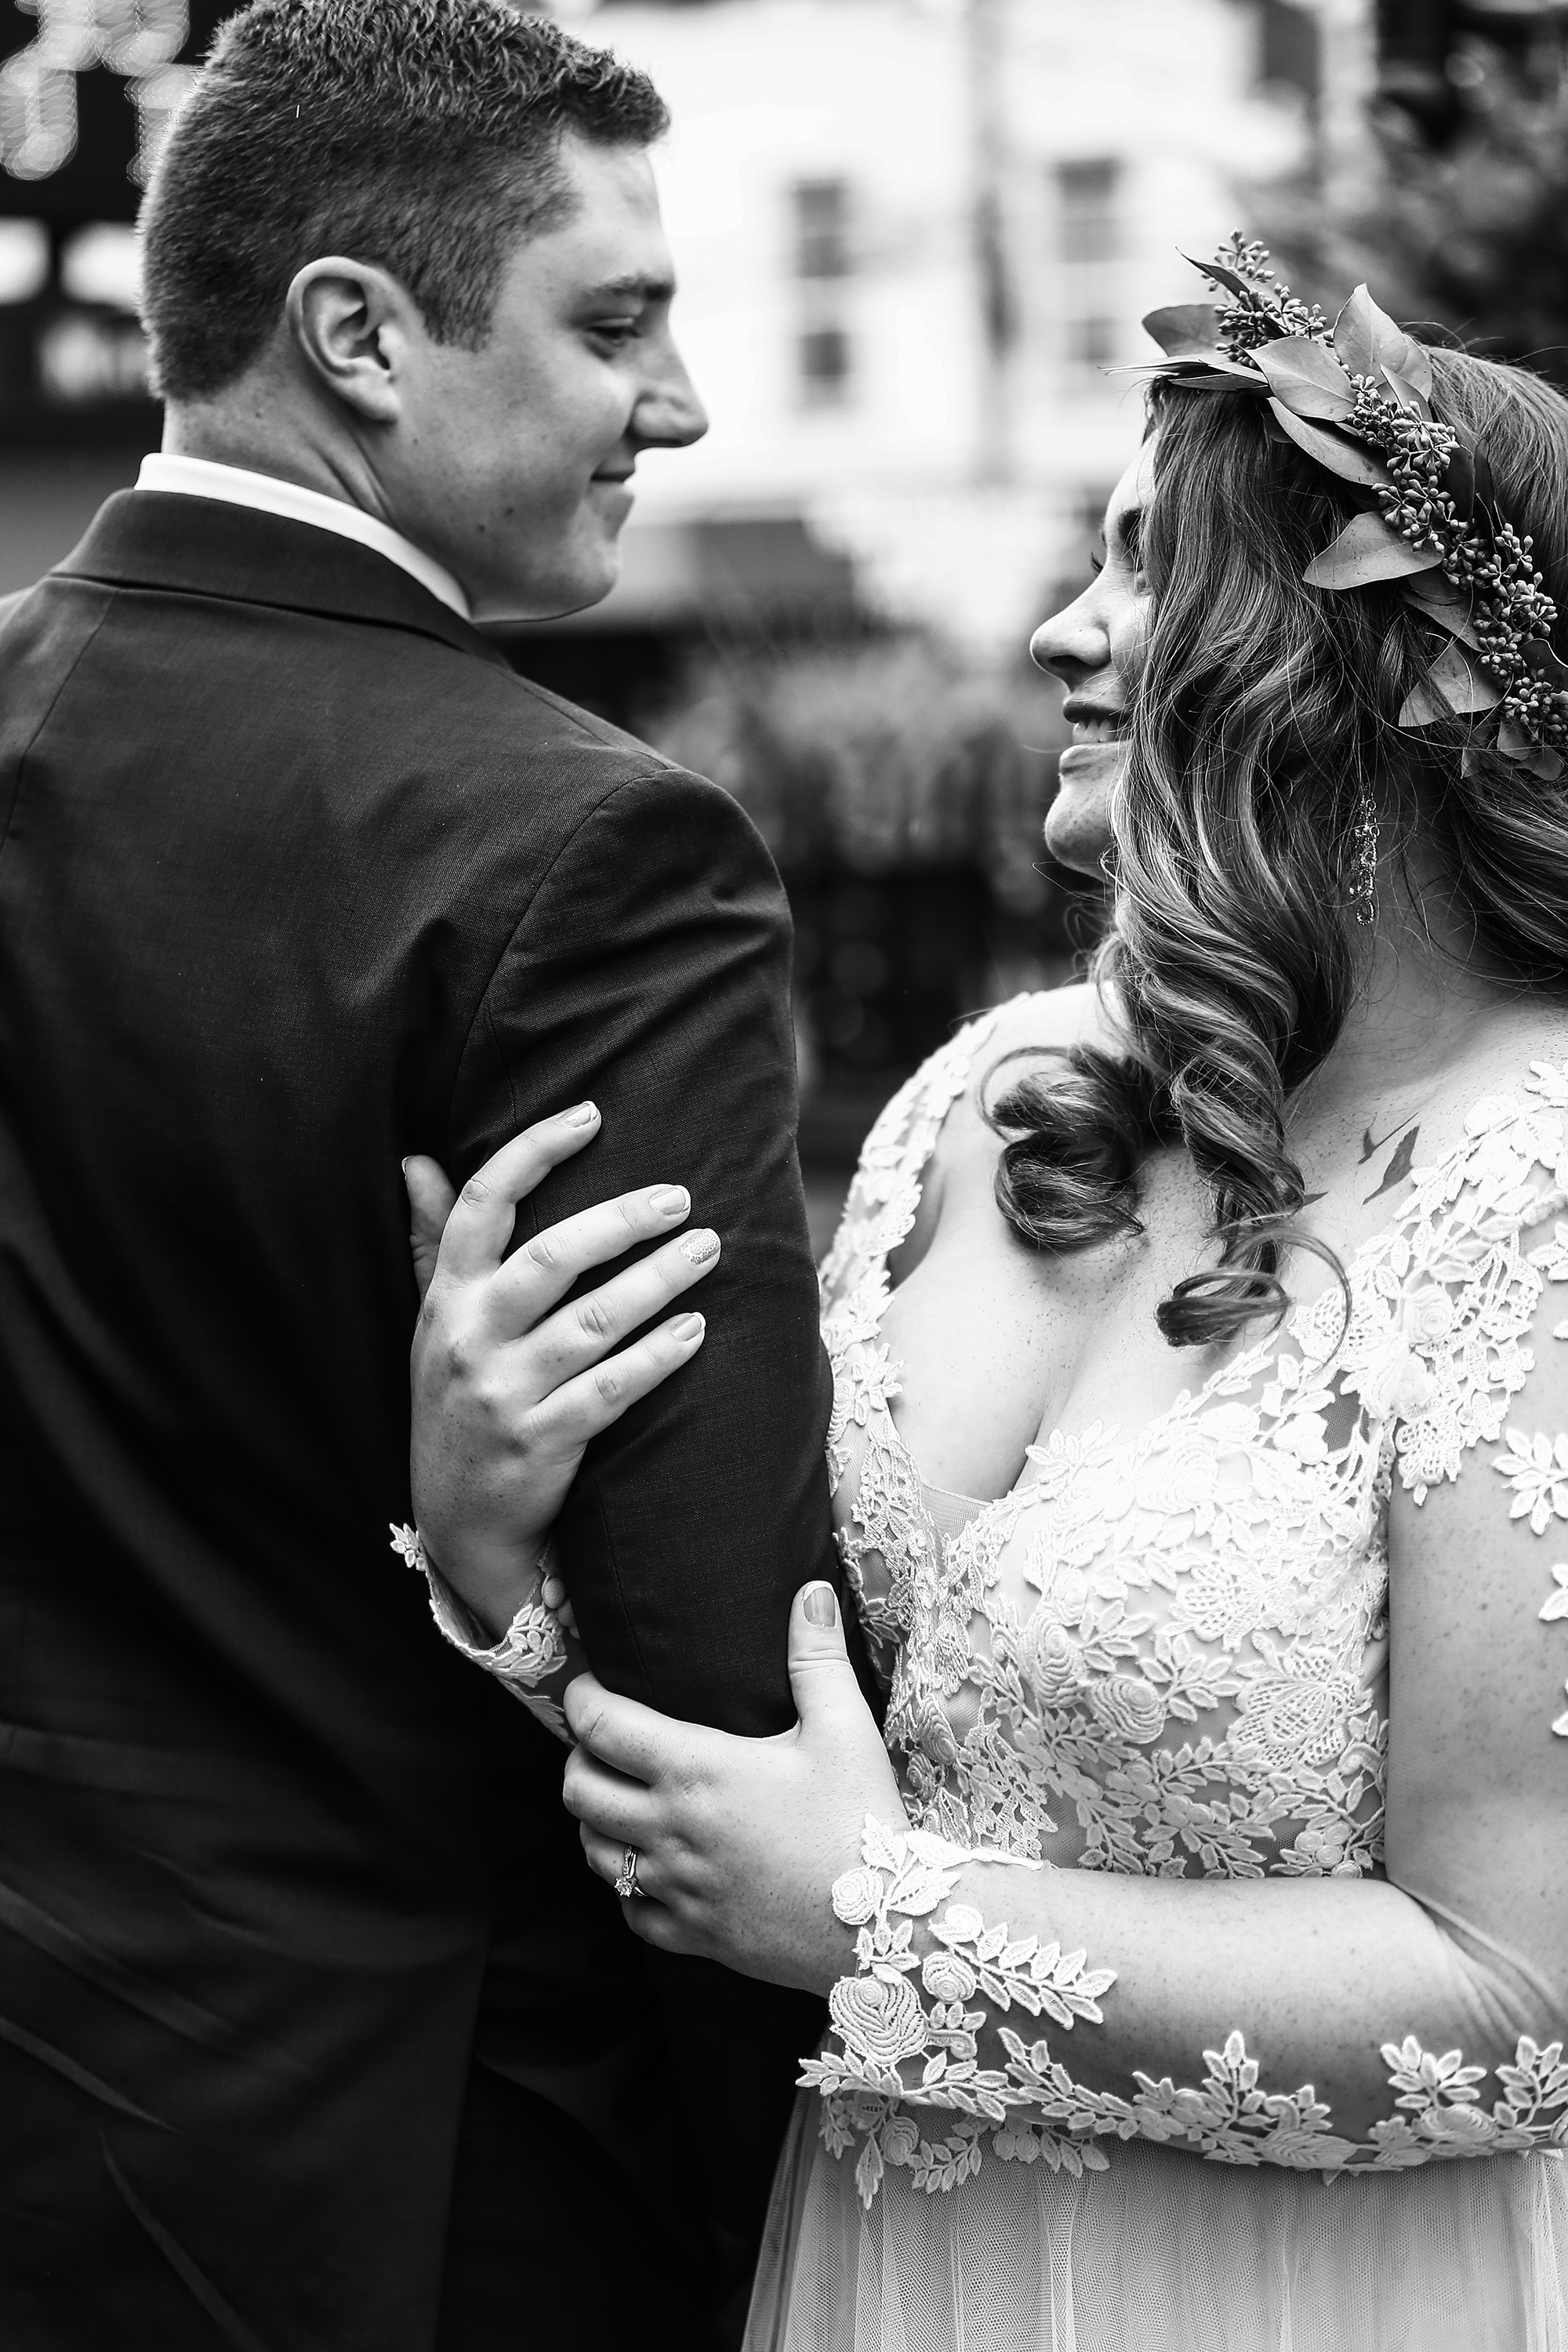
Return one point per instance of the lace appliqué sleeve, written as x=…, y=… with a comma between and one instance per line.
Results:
x=534, y=1649
x=895, y=2052
x=1454, y=1291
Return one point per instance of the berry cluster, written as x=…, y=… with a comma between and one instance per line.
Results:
x=1510, y=611
x=1260, y=308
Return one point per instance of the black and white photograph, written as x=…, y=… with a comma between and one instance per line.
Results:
x=783, y=1176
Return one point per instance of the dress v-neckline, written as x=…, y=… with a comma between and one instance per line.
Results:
x=1189, y=1402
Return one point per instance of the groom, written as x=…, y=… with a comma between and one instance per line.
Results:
x=314, y=2031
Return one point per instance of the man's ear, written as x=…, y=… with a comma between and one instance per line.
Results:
x=353, y=324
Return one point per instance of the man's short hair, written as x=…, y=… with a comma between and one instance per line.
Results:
x=422, y=135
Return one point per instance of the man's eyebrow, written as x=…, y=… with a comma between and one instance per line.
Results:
x=635, y=287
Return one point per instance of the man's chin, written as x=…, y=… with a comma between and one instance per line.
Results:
x=1078, y=823
x=575, y=588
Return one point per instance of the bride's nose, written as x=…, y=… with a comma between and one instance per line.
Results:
x=1074, y=642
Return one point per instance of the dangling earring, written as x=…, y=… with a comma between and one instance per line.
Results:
x=1363, y=877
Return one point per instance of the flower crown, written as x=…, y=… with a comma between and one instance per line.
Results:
x=1357, y=397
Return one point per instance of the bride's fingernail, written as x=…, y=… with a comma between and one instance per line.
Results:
x=580, y=1115
x=669, y=1201
x=821, y=1608
x=698, y=1248
x=688, y=1326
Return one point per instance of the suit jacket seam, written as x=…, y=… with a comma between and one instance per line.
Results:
x=487, y=1011
x=484, y=1012
x=28, y=748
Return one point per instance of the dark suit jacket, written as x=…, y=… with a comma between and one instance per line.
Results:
x=296, y=876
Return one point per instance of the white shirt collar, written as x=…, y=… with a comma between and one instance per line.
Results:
x=203, y=478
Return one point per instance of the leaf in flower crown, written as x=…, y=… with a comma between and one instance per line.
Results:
x=1218, y=275
x=1349, y=460
x=1368, y=549
x=1455, y=685
x=1541, y=760
x=1521, y=749
x=1415, y=403
x=1186, y=330
x=1368, y=340
x=1459, y=482
x=1436, y=599
x=1538, y=652
x=1308, y=378
x=1209, y=371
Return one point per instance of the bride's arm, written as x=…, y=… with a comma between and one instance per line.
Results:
x=1201, y=2010
x=509, y=1386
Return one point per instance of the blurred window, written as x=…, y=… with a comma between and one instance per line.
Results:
x=1088, y=195
x=103, y=263
x=822, y=228
x=25, y=261
x=1289, y=45
x=825, y=365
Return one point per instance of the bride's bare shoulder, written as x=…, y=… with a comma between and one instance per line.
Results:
x=1052, y=1019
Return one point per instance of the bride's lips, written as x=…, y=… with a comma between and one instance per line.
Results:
x=1097, y=741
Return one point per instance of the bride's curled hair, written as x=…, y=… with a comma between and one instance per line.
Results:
x=1265, y=712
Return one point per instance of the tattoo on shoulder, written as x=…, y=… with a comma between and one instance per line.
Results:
x=1398, y=1168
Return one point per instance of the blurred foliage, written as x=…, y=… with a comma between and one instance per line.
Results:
x=1470, y=234
x=903, y=801
x=881, y=757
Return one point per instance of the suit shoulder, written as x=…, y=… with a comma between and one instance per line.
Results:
x=512, y=700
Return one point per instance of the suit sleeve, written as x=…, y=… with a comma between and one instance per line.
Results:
x=651, y=974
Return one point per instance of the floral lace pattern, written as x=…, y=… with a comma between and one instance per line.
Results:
x=1033, y=2109
x=1165, y=1651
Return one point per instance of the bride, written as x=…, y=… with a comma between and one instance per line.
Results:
x=1196, y=1930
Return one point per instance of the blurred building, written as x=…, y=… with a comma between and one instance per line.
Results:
x=915, y=237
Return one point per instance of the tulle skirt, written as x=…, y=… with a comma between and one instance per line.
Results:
x=1164, y=2254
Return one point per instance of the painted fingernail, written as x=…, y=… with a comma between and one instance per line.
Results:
x=580, y=1115
x=821, y=1608
x=698, y=1249
x=688, y=1326
x=669, y=1201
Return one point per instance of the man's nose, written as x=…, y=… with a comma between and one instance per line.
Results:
x=669, y=415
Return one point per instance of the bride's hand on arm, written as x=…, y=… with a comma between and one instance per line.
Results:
x=738, y=1840
x=509, y=1385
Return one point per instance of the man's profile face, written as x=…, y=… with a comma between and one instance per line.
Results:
x=515, y=460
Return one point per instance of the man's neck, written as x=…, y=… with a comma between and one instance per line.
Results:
x=225, y=434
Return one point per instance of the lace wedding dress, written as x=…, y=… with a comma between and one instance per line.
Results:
x=1165, y=1652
